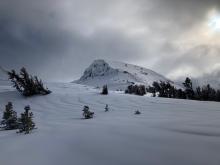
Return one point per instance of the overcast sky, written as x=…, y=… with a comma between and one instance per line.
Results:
x=58, y=39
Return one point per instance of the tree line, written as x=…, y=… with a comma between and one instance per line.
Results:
x=167, y=90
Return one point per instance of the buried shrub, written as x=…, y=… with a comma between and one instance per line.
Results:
x=9, y=121
x=86, y=113
x=106, y=108
x=137, y=112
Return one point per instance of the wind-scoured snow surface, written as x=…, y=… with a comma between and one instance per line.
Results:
x=168, y=131
x=118, y=75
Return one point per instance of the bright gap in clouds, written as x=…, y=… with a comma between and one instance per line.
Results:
x=214, y=22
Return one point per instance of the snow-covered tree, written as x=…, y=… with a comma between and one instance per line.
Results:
x=87, y=114
x=25, y=122
x=9, y=121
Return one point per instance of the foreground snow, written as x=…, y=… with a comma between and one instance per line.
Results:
x=168, y=132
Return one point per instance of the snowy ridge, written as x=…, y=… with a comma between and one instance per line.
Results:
x=118, y=75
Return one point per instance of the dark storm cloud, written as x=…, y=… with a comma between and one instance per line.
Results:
x=34, y=35
x=58, y=39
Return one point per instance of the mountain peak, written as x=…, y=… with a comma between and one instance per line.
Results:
x=96, y=69
x=118, y=75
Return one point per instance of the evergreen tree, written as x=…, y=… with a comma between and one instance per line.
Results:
x=218, y=95
x=188, y=88
x=87, y=114
x=151, y=90
x=156, y=86
x=208, y=93
x=212, y=94
x=180, y=94
x=129, y=89
x=106, y=108
x=205, y=93
x=27, y=85
x=105, y=90
x=9, y=121
x=141, y=90
x=198, y=93
x=26, y=123
x=8, y=111
x=165, y=89
x=136, y=89
x=188, y=83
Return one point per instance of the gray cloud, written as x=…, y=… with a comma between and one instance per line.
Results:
x=58, y=39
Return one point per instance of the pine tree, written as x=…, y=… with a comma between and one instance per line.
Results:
x=26, y=123
x=141, y=90
x=27, y=85
x=9, y=121
x=198, y=93
x=86, y=113
x=105, y=90
x=180, y=94
x=129, y=89
x=106, y=108
x=8, y=111
x=156, y=85
x=136, y=89
x=218, y=95
x=163, y=91
x=189, y=89
x=188, y=83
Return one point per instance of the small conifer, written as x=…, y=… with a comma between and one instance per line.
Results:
x=105, y=90
x=106, y=108
x=87, y=114
x=9, y=121
x=26, y=123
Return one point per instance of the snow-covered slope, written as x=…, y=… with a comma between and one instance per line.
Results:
x=168, y=132
x=118, y=75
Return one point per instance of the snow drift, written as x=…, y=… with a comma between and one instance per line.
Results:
x=168, y=131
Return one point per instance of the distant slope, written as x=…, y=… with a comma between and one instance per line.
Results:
x=118, y=75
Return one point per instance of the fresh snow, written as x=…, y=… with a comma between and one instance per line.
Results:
x=168, y=131
x=118, y=75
